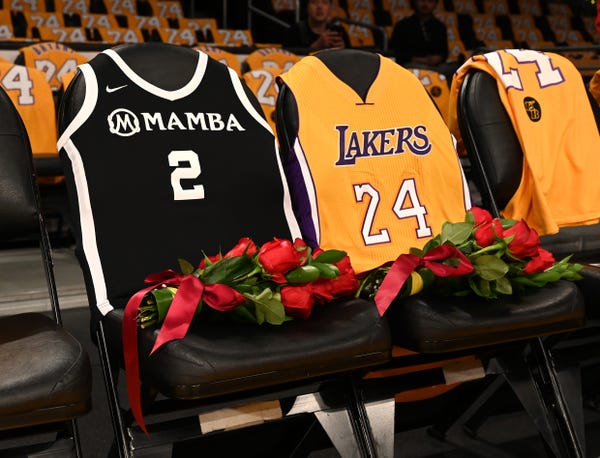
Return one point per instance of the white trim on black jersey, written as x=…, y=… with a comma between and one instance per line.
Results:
x=180, y=93
x=86, y=217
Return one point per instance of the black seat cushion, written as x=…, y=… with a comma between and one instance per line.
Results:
x=225, y=357
x=444, y=324
x=45, y=372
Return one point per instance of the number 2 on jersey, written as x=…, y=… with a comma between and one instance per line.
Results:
x=407, y=194
x=183, y=172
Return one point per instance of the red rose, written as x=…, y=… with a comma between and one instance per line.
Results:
x=486, y=234
x=322, y=291
x=540, y=262
x=212, y=259
x=222, y=297
x=278, y=257
x=245, y=244
x=526, y=241
x=345, y=284
x=481, y=215
x=297, y=300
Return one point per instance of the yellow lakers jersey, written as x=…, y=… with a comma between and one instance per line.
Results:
x=54, y=59
x=262, y=82
x=32, y=96
x=545, y=97
x=271, y=58
x=225, y=57
x=372, y=177
x=437, y=86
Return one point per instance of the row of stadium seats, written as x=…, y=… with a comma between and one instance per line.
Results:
x=163, y=8
x=470, y=24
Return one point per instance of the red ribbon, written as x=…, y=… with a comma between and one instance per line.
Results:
x=407, y=263
x=177, y=322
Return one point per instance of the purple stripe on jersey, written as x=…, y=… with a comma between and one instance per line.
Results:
x=300, y=200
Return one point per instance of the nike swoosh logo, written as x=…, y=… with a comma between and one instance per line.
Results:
x=113, y=89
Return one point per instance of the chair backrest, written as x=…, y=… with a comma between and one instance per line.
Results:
x=164, y=162
x=17, y=199
x=20, y=208
x=496, y=154
x=371, y=164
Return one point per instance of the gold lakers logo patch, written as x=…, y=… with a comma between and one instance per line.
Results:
x=532, y=108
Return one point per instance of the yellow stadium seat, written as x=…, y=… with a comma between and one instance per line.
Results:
x=120, y=7
x=168, y=9
x=33, y=6
x=206, y=26
x=275, y=58
x=234, y=37
x=186, y=37
x=225, y=57
x=120, y=35
x=90, y=20
x=262, y=82
x=72, y=6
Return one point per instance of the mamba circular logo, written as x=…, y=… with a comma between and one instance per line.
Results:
x=532, y=108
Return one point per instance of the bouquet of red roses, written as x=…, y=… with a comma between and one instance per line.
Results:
x=482, y=255
x=270, y=283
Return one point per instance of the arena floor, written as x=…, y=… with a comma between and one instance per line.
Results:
x=511, y=430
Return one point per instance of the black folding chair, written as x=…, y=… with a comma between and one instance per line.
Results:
x=46, y=375
x=503, y=334
x=496, y=157
x=297, y=368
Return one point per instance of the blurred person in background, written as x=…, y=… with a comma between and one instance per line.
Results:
x=316, y=32
x=420, y=39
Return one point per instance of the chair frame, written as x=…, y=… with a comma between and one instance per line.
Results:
x=68, y=429
x=170, y=420
x=563, y=371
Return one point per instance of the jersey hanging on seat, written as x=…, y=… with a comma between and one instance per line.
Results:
x=374, y=176
x=545, y=98
x=191, y=167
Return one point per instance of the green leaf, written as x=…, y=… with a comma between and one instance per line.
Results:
x=503, y=286
x=228, y=269
x=542, y=278
x=486, y=289
x=326, y=270
x=481, y=287
x=456, y=233
x=163, y=298
x=303, y=274
x=268, y=307
x=185, y=266
x=331, y=256
x=490, y=267
x=507, y=222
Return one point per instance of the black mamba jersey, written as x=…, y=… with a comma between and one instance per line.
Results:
x=161, y=175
